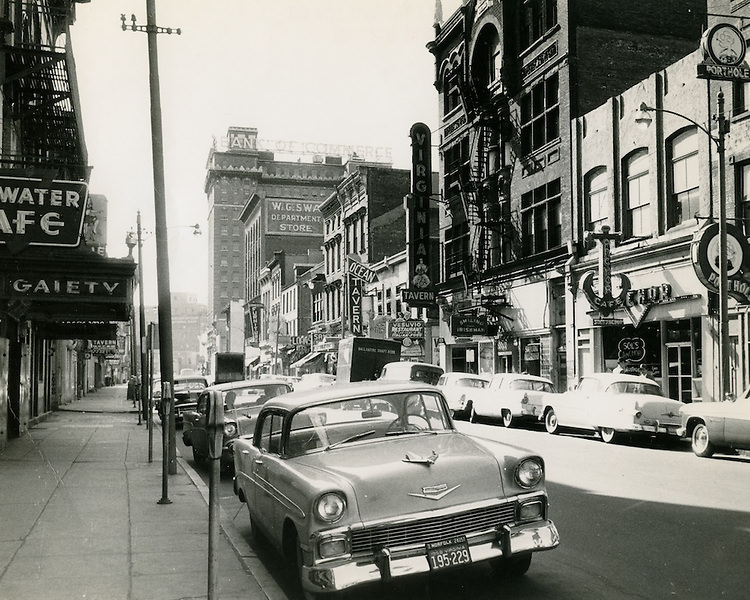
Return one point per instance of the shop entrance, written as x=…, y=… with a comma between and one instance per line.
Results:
x=680, y=371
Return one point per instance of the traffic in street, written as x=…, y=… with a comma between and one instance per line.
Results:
x=644, y=519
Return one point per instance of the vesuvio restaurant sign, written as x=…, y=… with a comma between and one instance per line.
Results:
x=34, y=212
x=293, y=217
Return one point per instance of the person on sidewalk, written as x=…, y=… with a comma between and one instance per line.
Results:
x=133, y=389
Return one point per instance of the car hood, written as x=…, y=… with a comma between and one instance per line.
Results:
x=411, y=473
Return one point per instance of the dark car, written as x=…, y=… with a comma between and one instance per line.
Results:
x=186, y=391
x=246, y=399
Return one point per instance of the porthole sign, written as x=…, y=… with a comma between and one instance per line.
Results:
x=724, y=50
x=705, y=257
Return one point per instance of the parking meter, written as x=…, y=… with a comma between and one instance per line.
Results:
x=215, y=424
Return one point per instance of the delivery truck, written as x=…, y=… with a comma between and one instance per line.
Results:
x=362, y=358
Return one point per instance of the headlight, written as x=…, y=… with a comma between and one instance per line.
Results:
x=230, y=429
x=330, y=507
x=529, y=473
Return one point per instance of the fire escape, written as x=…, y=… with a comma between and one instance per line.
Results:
x=37, y=95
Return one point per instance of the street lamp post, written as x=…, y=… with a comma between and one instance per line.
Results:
x=719, y=140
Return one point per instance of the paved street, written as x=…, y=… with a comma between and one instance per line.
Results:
x=643, y=521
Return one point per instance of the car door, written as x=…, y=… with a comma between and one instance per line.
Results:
x=737, y=424
x=264, y=470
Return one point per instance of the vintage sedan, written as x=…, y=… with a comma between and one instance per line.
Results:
x=512, y=397
x=614, y=405
x=366, y=482
x=186, y=390
x=242, y=403
x=722, y=427
x=458, y=388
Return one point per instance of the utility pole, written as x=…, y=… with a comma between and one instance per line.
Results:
x=162, y=246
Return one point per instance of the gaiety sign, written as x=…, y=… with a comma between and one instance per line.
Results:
x=34, y=212
x=65, y=288
x=705, y=255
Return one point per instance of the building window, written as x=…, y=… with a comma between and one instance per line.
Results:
x=541, y=218
x=487, y=60
x=743, y=195
x=684, y=198
x=540, y=115
x=596, y=199
x=741, y=97
x=538, y=17
x=637, y=191
x=451, y=94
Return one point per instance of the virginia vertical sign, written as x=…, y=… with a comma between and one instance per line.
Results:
x=420, y=290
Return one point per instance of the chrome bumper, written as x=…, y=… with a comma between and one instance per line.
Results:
x=390, y=563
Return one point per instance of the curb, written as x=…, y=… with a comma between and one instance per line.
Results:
x=242, y=549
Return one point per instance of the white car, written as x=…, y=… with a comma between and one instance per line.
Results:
x=511, y=397
x=309, y=381
x=614, y=404
x=458, y=389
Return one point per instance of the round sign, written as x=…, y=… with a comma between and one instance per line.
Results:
x=725, y=44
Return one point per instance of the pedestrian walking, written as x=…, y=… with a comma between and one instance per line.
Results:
x=133, y=389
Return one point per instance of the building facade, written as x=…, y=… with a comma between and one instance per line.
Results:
x=511, y=77
x=259, y=205
x=61, y=298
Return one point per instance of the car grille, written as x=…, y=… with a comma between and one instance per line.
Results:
x=435, y=529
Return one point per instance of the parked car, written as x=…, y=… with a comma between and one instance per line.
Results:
x=722, y=427
x=511, y=397
x=370, y=481
x=242, y=403
x=408, y=370
x=309, y=381
x=614, y=404
x=458, y=389
x=186, y=390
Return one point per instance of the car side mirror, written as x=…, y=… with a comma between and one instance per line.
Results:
x=215, y=424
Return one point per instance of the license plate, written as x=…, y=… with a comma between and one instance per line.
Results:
x=448, y=553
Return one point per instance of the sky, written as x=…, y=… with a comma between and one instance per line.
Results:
x=350, y=72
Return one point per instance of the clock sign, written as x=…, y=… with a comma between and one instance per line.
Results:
x=725, y=44
x=724, y=49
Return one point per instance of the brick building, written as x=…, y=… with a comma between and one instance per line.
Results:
x=511, y=77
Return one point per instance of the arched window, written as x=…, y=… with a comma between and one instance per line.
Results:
x=595, y=201
x=636, y=213
x=487, y=60
x=683, y=201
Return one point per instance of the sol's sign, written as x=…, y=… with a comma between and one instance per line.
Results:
x=705, y=255
x=34, y=212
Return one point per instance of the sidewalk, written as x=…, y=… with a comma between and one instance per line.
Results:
x=79, y=515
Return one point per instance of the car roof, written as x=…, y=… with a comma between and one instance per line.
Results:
x=523, y=376
x=345, y=391
x=610, y=377
x=242, y=383
x=412, y=363
x=460, y=375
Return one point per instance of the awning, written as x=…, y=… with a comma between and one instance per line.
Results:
x=306, y=359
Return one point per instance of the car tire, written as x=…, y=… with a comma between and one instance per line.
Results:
x=514, y=566
x=701, y=441
x=198, y=458
x=608, y=435
x=550, y=422
x=507, y=418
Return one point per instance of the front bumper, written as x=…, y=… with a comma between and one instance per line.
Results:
x=390, y=563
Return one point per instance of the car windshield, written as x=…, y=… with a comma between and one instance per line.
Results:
x=472, y=383
x=531, y=384
x=334, y=424
x=634, y=387
x=196, y=384
x=256, y=395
